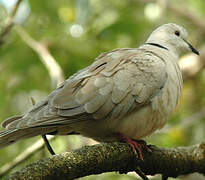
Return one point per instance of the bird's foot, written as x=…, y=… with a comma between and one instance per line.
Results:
x=136, y=145
x=144, y=145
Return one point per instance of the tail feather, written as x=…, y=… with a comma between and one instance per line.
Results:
x=6, y=138
x=10, y=120
x=11, y=136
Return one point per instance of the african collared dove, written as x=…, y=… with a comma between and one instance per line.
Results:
x=124, y=94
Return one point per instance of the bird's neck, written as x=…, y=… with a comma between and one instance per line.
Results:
x=163, y=46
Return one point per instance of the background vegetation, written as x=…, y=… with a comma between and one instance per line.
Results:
x=75, y=32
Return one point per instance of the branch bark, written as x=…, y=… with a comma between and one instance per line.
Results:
x=109, y=157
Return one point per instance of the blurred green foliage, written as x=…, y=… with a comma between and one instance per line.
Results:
x=101, y=26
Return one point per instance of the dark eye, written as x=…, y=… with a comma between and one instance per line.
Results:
x=177, y=33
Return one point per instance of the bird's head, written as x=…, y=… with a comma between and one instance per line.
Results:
x=173, y=37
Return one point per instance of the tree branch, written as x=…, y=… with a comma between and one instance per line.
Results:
x=109, y=157
x=183, y=12
x=187, y=13
x=54, y=69
x=9, y=23
x=191, y=64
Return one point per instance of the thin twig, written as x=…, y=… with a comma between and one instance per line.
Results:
x=187, y=13
x=37, y=146
x=191, y=64
x=47, y=59
x=50, y=149
x=183, y=12
x=9, y=23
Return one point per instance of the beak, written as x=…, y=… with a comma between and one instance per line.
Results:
x=192, y=48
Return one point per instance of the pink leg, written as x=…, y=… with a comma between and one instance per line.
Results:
x=136, y=145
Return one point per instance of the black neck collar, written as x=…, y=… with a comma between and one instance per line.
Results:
x=158, y=45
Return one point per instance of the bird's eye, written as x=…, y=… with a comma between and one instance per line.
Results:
x=177, y=33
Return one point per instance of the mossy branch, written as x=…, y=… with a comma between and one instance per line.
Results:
x=118, y=157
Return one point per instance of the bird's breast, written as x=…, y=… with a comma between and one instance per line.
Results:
x=153, y=116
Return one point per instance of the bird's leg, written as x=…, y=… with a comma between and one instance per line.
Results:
x=136, y=145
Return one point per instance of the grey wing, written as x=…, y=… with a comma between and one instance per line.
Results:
x=114, y=85
x=118, y=82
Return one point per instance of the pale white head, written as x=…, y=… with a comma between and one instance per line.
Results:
x=173, y=37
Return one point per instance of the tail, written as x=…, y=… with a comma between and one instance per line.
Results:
x=16, y=128
x=8, y=137
x=11, y=136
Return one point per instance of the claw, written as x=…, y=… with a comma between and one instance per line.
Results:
x=136, y=145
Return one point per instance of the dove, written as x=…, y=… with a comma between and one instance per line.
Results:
x=125, y=95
